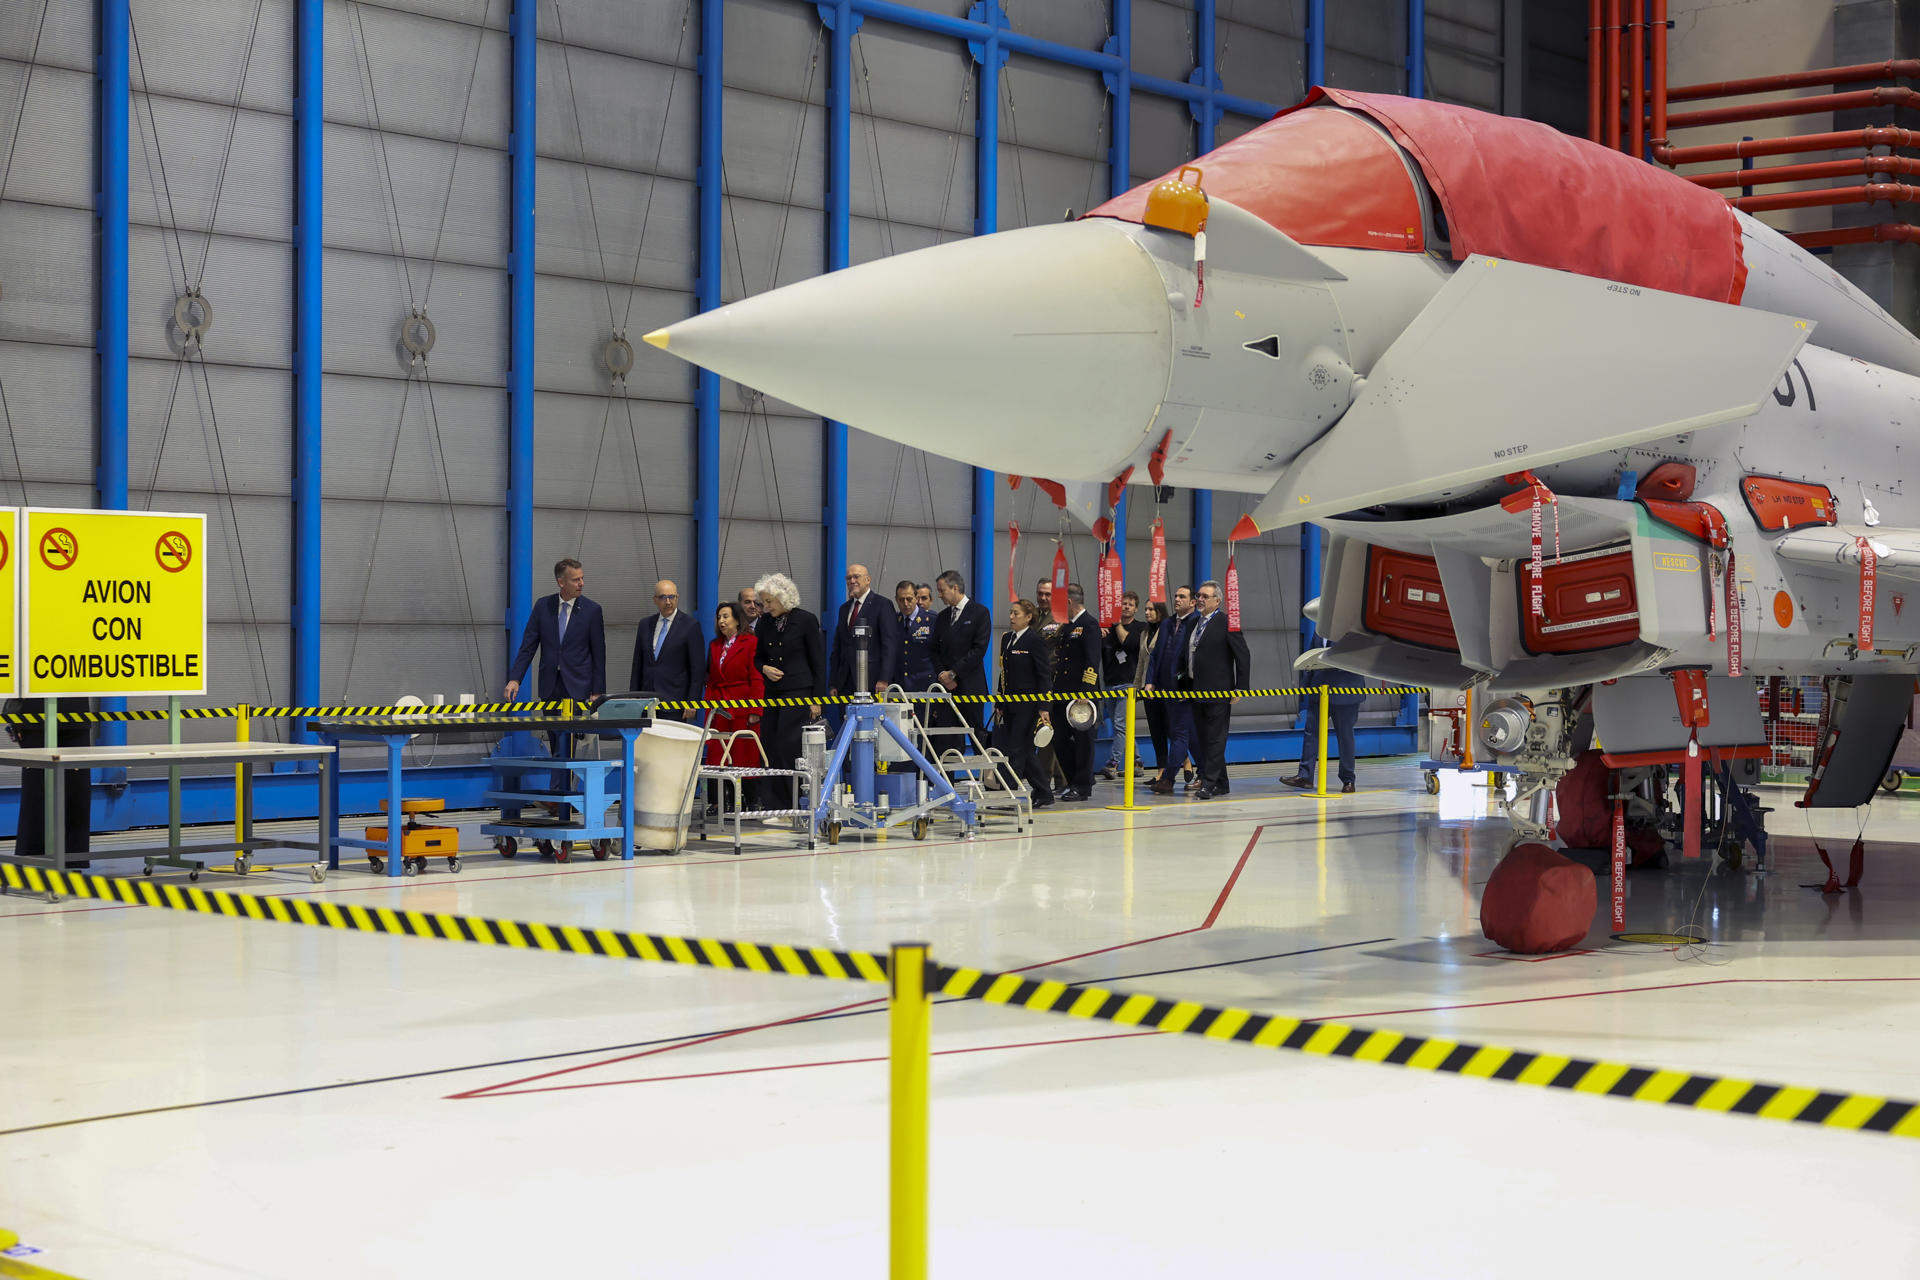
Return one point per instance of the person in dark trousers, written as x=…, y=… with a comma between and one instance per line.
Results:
x=916, y=638
x=1153, y=710
x=1343, y=715
x=30, y=838
x=670, y=653
x=1169, y=672
x=793, y=662
x=1076, y=673
x=962, y=630
x=1050, y=635
x=864, y=607
x=1217, y=662
x=569, y=633
x=1024, y=668
x=1120, y=662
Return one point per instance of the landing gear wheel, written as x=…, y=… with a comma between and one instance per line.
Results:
x=1891, y=783
x=921, y=826
x=832, y=833
x=602, y=850
x=507, y=846
x=1433, y=783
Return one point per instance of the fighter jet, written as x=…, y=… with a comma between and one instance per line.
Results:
x=1579, y=432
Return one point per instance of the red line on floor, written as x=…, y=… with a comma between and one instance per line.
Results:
x=1227, y=888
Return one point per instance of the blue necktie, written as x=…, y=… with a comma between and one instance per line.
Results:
x=566, y=612
x=660, y=628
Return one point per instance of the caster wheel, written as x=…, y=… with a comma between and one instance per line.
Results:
x=833, y=833
x=1891, y=783
x=565, y=852
x=243, y=864
x=1433, y=783
x=412, y=867
x=546, y=849
x=317, y=875
x=921, y=826
x=379, y=865
x=194, y=874
x=453, y=864
x=507, y=846
x=146, y=871
x=602, y=850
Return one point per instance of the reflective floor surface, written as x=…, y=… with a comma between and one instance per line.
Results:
x=208, y=1097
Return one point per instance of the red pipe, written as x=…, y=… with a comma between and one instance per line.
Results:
x=1637, y=77
x=1593, y=70
x=1884, y=136
x=1817, y=105
x=1904, y=69
x=1898, y=166
x=1660, y=94
x=1904, y=232
x=1610, y=97
x=1890, y=192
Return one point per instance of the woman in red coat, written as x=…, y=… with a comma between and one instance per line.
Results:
x=733, y=674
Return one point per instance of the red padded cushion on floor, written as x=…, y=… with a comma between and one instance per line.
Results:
x=1585, y=814
x=1538, y=901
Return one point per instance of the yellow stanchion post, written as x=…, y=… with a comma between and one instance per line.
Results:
x=1320, y=770
x=1126, y=804
x=910, y=1022
x=242, y=732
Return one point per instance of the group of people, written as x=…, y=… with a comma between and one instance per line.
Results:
x=767, y=649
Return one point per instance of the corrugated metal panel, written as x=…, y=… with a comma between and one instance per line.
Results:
x=427, y=187
x=775, y=149
x=197, y=49
x=768, y=245
x=400, y=559
x=662, y=254
x=750, y=548
x=1043, y=186
x=907, y=551
x=256, y=195
x=588, y=450
x=1163, y=39
x=366, y=301
x=574, y=327
x=466, y=457
x=776, y=48
x=1367, y=45
x=1048, y=107
x=630, y=111
x=253, y=529
x=46, y=272
x=888, y=483
x=1084, y=26
x=1163, y=136
x=1463, y=52
x=664, y=31
x=394, y=657
x=56, y=126
x=248, y=282
x=66, y=34
x=913, y=174
x=420, y=69
x=253, y=450
x=1261, y=52
x=50, y=404
x=623, y=554
x=915, y=78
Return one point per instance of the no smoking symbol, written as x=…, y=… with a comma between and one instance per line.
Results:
x=6, y=550
x=59, y=549
x=173, y=551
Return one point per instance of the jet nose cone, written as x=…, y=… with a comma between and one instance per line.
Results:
x=1043, y=351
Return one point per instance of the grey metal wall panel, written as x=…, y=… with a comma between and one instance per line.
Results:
x=775, y=149
x=376, y=663
x=55, y=128
x=247, y=550
x=64, y=29
x=46, y=274
x=1463, y=80
x=768, y=245
x=1047, y=107
x=244, y=445
x=574, y=327
x=245, y=663
x=366, y=301
x=1084, y=25
x=890, y=484
x=1463, y=52
x=777, y=48
x=913, y=78
x=446, y=198
x=750, y=548
x=1163, y=136
x=772, y=473
x=420, y=70
x=255, y=194
x=491, y=14
x=1367, y=45
x=1043, y=186
x=913, y=174
x=666, y=31
x=1163, y=37
x=199, y=49
x=402, y=559
x=1261, y=53
x=589, y=451
x=50, y=408
x=374, y=453
x=910, y=552
x=869, y=239
x=248, y=282
x=632, y=113
x=623, y=554
x=647, y=226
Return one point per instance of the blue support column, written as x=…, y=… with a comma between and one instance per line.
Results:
x=110, y=208
x=308, y=183
x=1120, y=173
x=1416, y=50
x=524, y=29
x=1207, y=120
x=990, y=57
x=841, y=23
x=706, y=387
x=1310, y=533
x=1316, y=42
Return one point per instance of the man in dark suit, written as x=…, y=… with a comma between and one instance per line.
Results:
x=961, y=633
x=569, y=632
x=1076, y=672
x=916, y=638
x=1169, y=672
x=864, y=608
x=1217, y=662
x=670, y=653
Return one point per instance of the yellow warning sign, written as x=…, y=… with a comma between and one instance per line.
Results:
x=9, y=600
x=115, y=603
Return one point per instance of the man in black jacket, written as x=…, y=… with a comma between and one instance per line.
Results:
x=670, y=653
x=1217, y=660
x=864, y=607
x=961, y=633
x=1024, y=669
x=1076, y=673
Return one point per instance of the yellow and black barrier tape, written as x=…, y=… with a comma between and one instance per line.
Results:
x=1863, y=1112
x=712, y=953
x=445, y=711
x=1091, y=695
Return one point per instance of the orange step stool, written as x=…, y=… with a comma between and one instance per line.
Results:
x=418, y=841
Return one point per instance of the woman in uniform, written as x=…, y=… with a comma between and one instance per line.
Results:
x=1025, y=667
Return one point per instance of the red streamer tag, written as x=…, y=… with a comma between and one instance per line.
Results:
x=1059, y=584
x=1619, y=864
x=1013, y=562
x=1537, y=495
x=1733, y=620
x=1157, y=566
x=1233, y=595
x=1109, y=586
x=1869, y=570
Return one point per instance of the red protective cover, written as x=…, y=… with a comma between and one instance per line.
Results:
x=1778, y=504
x=1699, y=520
x=1668, y=482
x=1405, y=600
x=1537, y=901
x=1590, y=604
x=1323, y=177
x=1518, y=189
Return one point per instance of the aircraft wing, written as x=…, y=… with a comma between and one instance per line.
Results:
x=1835, y=552
x=1513, y=367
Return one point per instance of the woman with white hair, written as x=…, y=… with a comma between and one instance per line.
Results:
x=793, y=660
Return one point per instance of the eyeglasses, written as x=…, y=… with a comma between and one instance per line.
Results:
x=666, y=595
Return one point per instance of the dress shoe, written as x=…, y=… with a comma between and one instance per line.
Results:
x=1193, y=784
x=1222, y=790
x=1070, y=794
x=1161, y=786
x=1188, y=775
x=1042, y=799
x=1203, y=793
x=1297, y=780
x=1346, y=788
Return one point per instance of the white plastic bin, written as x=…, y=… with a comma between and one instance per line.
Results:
x=665, y=757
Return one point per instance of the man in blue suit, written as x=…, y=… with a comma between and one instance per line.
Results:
x=670, y=653
x=864, y=608
x=570, y=634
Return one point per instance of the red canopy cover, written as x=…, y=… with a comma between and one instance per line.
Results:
x=1510, y=188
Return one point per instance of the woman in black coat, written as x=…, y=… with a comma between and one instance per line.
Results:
x=1025, y=667
x=792, y=653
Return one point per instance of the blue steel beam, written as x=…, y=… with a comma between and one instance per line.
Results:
x=989, y=57
x=706, y=386
x=1316, y=42
x=1207, y=118
x=1120, y=174
x=524, y=30
x=1310, y=554
x=841, y=22
x=110, y=208
x=309, y=184
x=1416, y=48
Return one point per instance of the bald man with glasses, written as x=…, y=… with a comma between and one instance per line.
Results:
x=867, y=622
x=670, y=653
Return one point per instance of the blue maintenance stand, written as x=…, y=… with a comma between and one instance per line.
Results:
x=855, y=793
